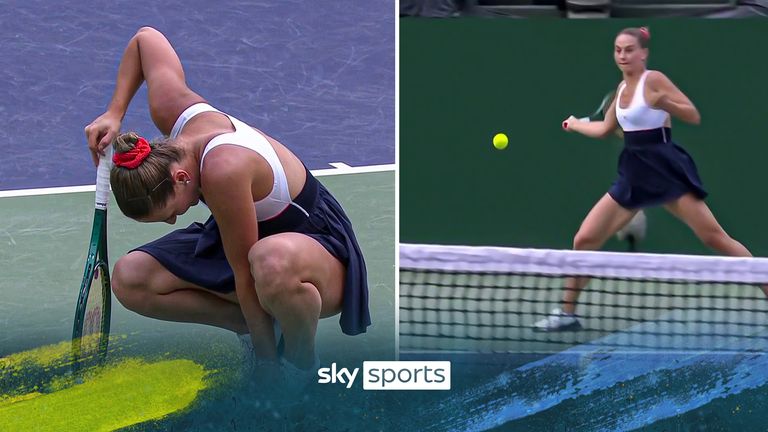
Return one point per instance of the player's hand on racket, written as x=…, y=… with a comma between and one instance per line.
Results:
x=569, y=122
x=100, y=134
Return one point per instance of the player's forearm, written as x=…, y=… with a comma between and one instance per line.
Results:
x=129, y=78
x=595, y=129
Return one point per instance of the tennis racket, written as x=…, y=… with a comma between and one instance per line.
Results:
x=90, y=335
x=599, y=113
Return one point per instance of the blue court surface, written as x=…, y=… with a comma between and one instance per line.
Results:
x=317, y=76
x=661, y=343
x=598, y=387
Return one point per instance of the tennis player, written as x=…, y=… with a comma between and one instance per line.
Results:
x=653, y=169
x=278, y=247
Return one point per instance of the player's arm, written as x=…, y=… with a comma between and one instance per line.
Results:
x=594, y=129
x=666, y=96
x=226, y=184
x=147, y=57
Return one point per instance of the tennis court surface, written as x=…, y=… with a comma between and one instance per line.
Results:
x=317, y=77
x=667, y=340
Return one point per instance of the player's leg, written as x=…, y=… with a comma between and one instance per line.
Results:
x=144, y=286
x=697, y=215
x=168, y=93
x=603, y=221
x=298, y=282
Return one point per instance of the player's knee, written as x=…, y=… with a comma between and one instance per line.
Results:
x=585, y=241
x=129, y=281
x=273, y=268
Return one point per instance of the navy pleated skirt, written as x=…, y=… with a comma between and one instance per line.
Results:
x=653, y=170
x=196, y=253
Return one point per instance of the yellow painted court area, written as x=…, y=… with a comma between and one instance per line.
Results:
x=121, y=394
x=44, y=356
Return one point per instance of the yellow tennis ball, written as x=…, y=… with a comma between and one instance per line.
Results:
x=500, y=141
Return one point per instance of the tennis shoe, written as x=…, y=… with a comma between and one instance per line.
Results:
x=557, y=321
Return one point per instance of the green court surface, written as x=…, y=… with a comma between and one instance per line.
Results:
x=44, y=240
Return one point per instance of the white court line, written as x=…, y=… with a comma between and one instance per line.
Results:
x=593, y=351
x=339, y=165
x=340, y=169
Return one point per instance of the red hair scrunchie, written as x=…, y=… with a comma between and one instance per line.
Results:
x=134, y=157
x=645, y=32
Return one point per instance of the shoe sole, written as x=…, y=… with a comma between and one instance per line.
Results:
x=574, y=326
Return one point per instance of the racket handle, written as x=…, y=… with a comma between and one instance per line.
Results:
x=102, y=179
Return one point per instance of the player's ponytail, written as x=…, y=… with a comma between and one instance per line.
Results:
x=141, y=175
x=125, y=142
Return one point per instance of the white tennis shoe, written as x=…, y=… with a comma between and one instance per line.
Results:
x=558, y=321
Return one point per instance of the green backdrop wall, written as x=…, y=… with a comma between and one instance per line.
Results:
x=464, y=80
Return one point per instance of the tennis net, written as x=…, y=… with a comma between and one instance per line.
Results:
x=486, y=299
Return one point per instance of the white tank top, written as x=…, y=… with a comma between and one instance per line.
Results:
x=638, y=115
x=245, y=136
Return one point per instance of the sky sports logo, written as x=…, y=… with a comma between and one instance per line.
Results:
x=391, y=375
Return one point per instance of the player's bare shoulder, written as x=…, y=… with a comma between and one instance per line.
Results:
x=656, y=79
